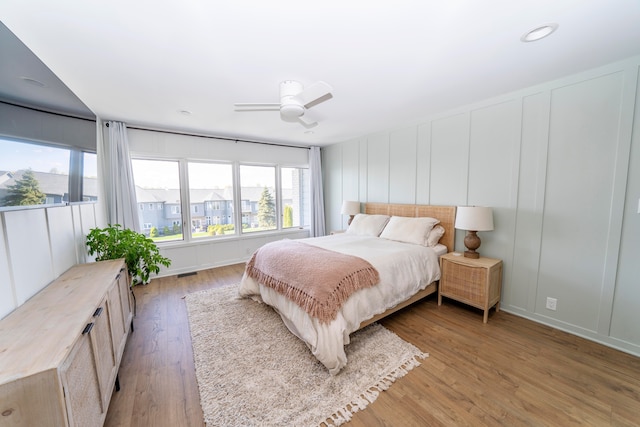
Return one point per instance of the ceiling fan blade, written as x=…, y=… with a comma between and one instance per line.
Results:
x=315, y=94
x=307, y=122
x=256, y=107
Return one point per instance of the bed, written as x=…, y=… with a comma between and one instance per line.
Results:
x=406, y=272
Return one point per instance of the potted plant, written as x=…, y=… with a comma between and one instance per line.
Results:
x=140, y=253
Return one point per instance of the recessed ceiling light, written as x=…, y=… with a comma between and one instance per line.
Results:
x=308, y=132
x=32, y=81
x=539, y=33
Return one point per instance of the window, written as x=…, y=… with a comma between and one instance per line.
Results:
x=270, y=198
x=37, y=174
x=258, y=193
x=210, y=186
x=296, y=206
x=89, y=177
x=159, y=181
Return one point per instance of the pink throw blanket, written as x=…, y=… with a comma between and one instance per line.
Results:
x=317, y=279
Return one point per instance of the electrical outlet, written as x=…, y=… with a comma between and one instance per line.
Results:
x=552, y=303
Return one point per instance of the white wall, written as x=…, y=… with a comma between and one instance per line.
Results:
x=557, y=163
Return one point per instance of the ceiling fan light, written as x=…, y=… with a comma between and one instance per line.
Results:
x=291, y=110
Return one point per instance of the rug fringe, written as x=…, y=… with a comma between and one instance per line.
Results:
x=344, y=414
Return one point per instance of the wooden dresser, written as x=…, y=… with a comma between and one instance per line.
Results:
x=60, y=351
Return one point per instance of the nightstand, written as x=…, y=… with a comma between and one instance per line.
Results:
x=336, y=232
x=476, y=282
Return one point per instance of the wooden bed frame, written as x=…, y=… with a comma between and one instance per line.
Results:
x=447, y=217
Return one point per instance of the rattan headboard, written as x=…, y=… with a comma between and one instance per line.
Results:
x=446, y=215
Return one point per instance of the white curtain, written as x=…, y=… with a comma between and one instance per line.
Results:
x=317, y=194
x=116, y=174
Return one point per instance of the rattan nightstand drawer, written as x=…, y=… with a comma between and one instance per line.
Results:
x=476, y=282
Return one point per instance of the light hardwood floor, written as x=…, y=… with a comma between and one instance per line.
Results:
x=510, y=371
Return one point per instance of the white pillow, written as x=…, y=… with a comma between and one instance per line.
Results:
x=409, y=230
x=367, y=225
x=434, y=235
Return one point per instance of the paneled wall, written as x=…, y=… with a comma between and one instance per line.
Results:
x=560, y=165
x=37, y=245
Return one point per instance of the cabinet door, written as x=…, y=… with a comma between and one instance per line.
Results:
x=102, y=342
x=81, y=385
x=464, y=282
x=118, y=326
x=125, y=297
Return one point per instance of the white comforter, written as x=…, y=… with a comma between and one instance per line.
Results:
x=404, y=270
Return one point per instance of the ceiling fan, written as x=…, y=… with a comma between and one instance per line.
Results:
x=294, y=101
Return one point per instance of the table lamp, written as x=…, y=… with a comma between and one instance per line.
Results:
x=473, y=219
x=350, y=208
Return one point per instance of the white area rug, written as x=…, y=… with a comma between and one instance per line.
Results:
x=252, y=371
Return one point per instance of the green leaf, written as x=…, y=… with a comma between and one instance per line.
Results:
x=140, y=253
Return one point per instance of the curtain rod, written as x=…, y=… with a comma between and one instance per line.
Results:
x=215, y=137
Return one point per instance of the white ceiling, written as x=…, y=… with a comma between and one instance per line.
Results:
x=390, y=64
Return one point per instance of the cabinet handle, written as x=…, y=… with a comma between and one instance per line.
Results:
x=87, y=328
x=98, y=312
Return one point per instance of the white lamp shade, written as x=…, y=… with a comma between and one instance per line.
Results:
x=350, y=208
x=474, y=218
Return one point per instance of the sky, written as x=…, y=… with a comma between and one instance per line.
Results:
x=39, y=158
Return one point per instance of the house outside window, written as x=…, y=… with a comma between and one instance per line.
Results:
x=40, y=174
x=158, y=187
x=210, y=187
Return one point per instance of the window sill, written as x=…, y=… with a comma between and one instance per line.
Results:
x=245, y=236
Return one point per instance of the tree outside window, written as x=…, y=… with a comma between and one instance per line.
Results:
x=25, y=191
x=258, y=195
x=266, y=210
